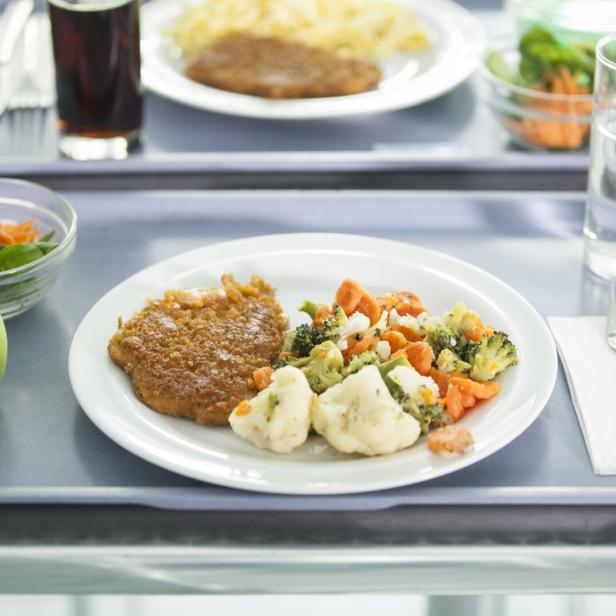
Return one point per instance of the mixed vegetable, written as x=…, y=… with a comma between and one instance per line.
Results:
x=381, y=371
x=21, y=243
x=546, y=65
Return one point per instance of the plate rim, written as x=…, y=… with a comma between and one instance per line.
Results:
x=135, y=447
x=292, y=109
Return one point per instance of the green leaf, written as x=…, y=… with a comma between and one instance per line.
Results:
x=45, y=247
x=534, y=36
x=16, y=255
x=47, y=236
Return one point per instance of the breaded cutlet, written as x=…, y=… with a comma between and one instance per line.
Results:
x=277, y=68
x=192, y=354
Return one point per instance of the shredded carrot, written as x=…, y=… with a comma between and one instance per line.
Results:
x=18, y=233
x=556, y=134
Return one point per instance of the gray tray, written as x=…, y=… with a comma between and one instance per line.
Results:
x=50, y=453
x=455, y=132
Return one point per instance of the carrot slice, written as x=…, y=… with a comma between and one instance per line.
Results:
x=262, y=377
x=396, y=340
x=410, y=334
x=369, y=306
x=398, y=353
x=476, y=332
x=243, y=409
x=454, y=403
x=348, y=296
x=449, y=439
x=441, y=379
x=420, y=356
x=363, y=345
x=411, y=307
x=321, y=315
x=481, y=391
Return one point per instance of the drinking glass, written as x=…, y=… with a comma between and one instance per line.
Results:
x=600, y=222
x=96, y=52
x=611, y=315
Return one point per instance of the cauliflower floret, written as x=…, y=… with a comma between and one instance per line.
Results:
x=393, y=318
x=419, y=390
x=357, y=323
x=383, y=350
x=460, y=319
x=380, y=326
x=278, y=418
x=360, y=416
x=405, y=321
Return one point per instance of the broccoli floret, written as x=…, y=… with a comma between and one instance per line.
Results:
x=284, y=359
x=429, y=417
x=440, y=337
x=466, y=350
x=301, y=340
x=491, y=356
x=323, y=367
x=310, y=308
x=448, y=361
x=330, y=329
x=359, y=361
x=306, y=336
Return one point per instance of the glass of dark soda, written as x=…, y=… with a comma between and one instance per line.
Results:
x=96, y=52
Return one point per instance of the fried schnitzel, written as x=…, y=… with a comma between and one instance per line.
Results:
x=192, y=354
x=276, y=68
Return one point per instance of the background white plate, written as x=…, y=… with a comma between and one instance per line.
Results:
x=409, y=79
x=310, y=266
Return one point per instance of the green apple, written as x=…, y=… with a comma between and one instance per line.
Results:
x=3, y=348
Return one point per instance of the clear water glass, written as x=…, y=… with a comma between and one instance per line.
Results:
x=611, y=315
x=600, y=222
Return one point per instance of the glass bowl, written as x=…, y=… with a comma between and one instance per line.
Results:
x=571, y=21
x=534, y=119
x=22, y=287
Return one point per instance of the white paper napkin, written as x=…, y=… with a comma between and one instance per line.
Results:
x=590, y=366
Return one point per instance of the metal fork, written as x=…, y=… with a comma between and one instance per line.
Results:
x=30, y=127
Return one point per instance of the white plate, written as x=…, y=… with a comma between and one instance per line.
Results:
x=409, y=79
x=310, y=266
